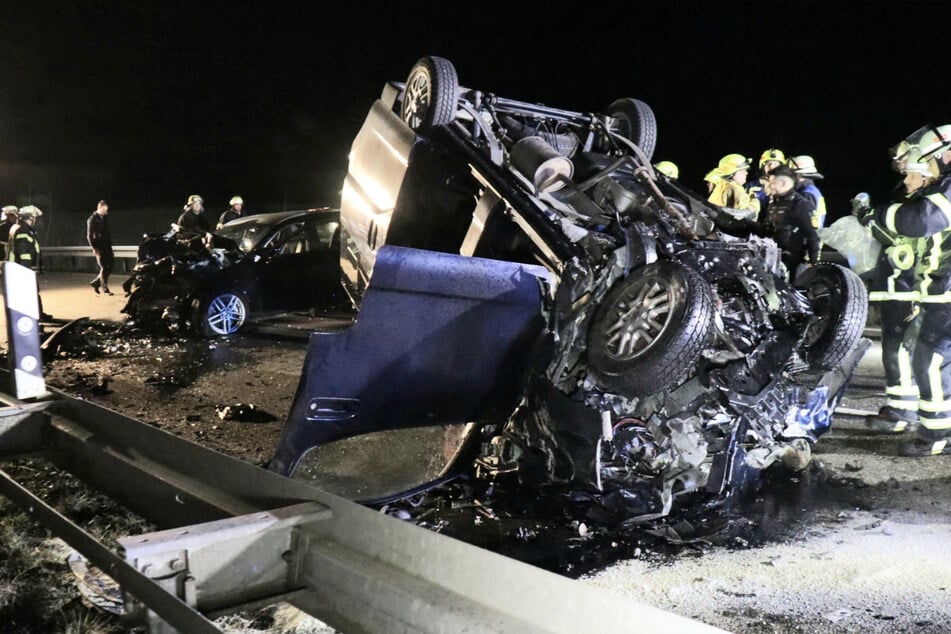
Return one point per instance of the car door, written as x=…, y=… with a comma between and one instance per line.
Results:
x=300, y=267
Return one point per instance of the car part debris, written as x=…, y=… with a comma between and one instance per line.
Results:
x=244, y=412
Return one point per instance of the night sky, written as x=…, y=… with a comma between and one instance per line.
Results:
x=146, y=102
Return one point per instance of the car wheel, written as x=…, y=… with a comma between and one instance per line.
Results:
x=840, y=307
x=430, y=96
x=651, y=328
x=223, y=314
x=634, y=120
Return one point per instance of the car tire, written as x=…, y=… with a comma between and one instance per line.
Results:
x=221, y=314
x=840, y=304
x=429, y=98
x=650, y=329
x=635, y=121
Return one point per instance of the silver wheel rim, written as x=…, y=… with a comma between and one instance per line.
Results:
x=641, y=315
x=226, y=314
x=417, y=98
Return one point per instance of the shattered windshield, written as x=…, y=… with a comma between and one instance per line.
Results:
x=245, y=234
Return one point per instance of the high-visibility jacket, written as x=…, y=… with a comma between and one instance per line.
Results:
x=729, y=193
x=24, y=247
x=926, y=215
x=807, y=187
x=894, y=277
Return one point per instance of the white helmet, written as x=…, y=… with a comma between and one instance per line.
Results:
x=30, y=211
x=235, y=200
x=934, y=141
x=911, y=162
x=804, y=165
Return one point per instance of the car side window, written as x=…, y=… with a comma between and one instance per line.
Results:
x=290, y=239
x=325, y=233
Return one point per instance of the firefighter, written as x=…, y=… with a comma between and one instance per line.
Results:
x=25, y=247
x=807, y=175
x=894, y=285
x=928, y=215
x=787, y=220
x=193, y=217
x=100, y=239
x=237, y=205
x=768, y=160
x=6, y=226
x=711, y=179
x=728, y=190
x=667, y=168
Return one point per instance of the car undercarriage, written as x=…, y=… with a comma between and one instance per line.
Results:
x=666, y=355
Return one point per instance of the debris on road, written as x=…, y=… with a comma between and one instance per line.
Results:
x=244, y=412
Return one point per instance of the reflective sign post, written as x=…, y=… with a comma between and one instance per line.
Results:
x=23, y=337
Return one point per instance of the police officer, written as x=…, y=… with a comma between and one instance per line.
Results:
x=100, y=239
x=6, y=225
x=233, y=213
x=787, y=220
x=25, y=247
x=895, y=286
x=193, y=217
x=928, y=216
x=728, y=191
x=807, y=175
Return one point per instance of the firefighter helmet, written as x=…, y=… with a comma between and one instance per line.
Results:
x=933, y=142
x=713, y=175
x=733, y=163
x=9, y=209
x=194, y=199
x=30, y=211
x=668, y=168
x=771, y=154
x=804, y=165
x=235, y=200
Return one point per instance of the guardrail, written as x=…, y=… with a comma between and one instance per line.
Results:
x=82, y=258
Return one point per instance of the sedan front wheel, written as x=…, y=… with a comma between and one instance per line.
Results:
x=223, y=314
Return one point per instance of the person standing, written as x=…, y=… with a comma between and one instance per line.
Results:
x=99, y=238
x=928, y=216
x=895, y=286
x=788, y=221
x=807, y=175
x=193, y=217
x=25, y=247
x=233, y=213
x=768, y=160
x=6, y=226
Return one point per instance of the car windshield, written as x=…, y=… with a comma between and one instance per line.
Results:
x=245, y=234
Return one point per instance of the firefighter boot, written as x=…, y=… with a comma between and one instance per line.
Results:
x=927, y=443
x=891, y=420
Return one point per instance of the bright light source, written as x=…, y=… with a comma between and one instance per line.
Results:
x=28, y=363
x=24, y=325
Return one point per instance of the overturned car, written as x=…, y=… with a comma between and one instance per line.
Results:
x=212, y=284
x=532, y=290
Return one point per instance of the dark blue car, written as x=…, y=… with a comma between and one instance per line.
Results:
x=261, y=264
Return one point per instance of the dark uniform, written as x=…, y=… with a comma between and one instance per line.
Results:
x=190, y=221
x=894, y=286
x=100, y=239
x=928, y=215
x=228, y=216
x=788, y=221
x=5, y=226
x=25, y=249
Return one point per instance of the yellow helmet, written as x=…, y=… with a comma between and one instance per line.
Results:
x=713, y=175
x=771, y=154
x=235, y=200
x=733, y=163
x=668, y=168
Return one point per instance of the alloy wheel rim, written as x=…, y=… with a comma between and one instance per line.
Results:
x=226, y=314
x=641, y=316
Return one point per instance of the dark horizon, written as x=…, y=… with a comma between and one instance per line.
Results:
x=145, y=104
